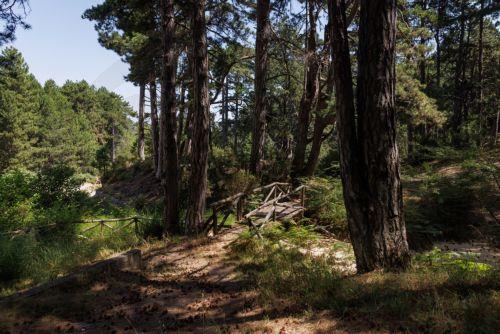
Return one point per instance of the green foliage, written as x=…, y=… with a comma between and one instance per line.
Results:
x=414, y=104
x=19, y=102
x=39, y=239
x=452, y=202
x=29, y=200
x=326, y=203
x=72, y=125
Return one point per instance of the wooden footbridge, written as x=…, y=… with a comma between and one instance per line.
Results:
x=281, y=202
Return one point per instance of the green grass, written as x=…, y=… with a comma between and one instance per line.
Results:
x=438, y=294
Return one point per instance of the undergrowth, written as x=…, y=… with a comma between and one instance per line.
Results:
x=40, y=238
x=439, y=294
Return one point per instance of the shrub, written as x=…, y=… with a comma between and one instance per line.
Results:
x=326, y=203
x=17, y=199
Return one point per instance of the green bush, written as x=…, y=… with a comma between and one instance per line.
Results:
x=325, y=201
x=17, y=199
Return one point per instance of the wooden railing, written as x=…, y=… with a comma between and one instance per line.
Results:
x=236, y=204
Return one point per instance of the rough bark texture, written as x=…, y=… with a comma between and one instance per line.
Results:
x=155, y=133
x=170, y=179
x=261, y=64
x=200, y=139
x=310, y=95
x=140, y=126
x=369, y=155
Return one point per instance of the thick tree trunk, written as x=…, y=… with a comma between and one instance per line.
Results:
x=155, y=133
x=309, y=96
x=201, y=122
x=140, y=125
x=261, y=64
x=369, y=156
x=170, y=179
x=388, y=246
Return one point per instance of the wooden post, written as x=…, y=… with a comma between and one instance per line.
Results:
x=303, y=197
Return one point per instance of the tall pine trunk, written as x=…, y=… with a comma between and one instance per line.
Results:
x=140, y=125
x=201, y=122
x=155, y=133
x=309, y=96
x=368, y=151
x=170, y=172
x=261, y=65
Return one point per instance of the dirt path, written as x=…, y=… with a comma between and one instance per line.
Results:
x=191, y=287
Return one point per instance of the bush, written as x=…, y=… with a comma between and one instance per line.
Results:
x=17, y=199
x=57, y=184
x=326, y=203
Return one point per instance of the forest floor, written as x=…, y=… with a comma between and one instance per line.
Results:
x=187, y=287
x=292, y=280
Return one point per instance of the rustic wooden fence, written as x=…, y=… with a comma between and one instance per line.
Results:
x=273, y=205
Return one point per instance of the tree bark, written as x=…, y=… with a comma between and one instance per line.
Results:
x=201, y=121
x=310, y=95
x=261, y=65
x=170, y=179
x=140, y=125
x=369, y=156
x=155, y=134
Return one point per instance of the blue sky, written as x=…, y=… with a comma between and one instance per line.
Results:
x=62, y=46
